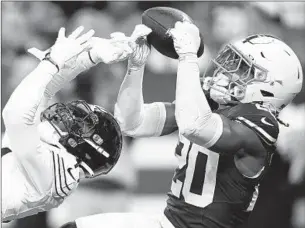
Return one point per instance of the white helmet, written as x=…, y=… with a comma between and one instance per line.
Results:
x=260, y=68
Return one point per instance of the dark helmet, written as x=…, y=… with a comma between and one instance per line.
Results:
x=88, y=132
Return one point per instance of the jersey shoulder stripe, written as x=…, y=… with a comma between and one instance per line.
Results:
x=264, y=135
x=60, y=175
x=56, y=181
x=257, y=118
x=65, y=177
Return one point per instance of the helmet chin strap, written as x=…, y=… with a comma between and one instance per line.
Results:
x=86, y=169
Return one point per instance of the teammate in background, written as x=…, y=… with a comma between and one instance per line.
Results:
x=48, y=152
x=223, y=154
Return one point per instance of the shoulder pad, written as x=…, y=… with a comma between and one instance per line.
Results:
x=256, y=117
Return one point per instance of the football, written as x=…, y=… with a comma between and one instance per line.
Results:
x=160, y=20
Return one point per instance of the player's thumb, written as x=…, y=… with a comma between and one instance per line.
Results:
x=173, y=33
x=140, y=32
x=38, y=53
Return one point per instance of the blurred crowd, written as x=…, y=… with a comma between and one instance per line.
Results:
x=35, y=24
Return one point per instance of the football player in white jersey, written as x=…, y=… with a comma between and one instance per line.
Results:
x=49, y=149
x=223, y=153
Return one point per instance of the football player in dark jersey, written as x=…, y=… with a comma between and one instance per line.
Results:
x=222, y=154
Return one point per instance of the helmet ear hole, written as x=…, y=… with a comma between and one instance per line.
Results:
x=266, y=93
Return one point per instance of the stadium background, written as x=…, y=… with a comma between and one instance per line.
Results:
x=142, y=178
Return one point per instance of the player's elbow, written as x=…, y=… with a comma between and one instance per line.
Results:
x=190, y=124
x=202, y=131
x=189, y=130
x=128, y=122
x=9, y=116
x=136, y=130
x=147, y=122
x=14, y=115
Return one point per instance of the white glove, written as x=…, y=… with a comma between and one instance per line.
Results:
x=120, y=47
x=68, y=71
x=110, y=50
x=140, y=47
x=103, y=50
x=186, y=38
x=65, y=48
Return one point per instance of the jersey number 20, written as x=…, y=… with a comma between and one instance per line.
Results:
x=195, y=178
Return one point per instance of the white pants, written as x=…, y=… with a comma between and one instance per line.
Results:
x=123, y=220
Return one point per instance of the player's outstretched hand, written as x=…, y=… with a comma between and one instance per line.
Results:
x=139, y=45
x=65, y=48
x=186, y=38
x=111, y=50
x=120, y=47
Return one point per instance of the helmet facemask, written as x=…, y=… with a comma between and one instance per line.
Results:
x=233, y=72
x=82, y=132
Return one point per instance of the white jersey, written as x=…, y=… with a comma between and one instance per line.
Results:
x=36, y=176
x=20, y=196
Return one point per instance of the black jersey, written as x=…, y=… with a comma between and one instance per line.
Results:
x=208, y=191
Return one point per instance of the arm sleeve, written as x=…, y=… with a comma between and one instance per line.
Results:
x=21, y=115
x=136, y=118
x=194, y=117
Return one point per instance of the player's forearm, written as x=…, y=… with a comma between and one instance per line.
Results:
x=193, y=113
x=29, y=95
x=136, y=118
x=130, y=104
x=84, y=62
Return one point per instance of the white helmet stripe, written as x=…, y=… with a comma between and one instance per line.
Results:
x=98, y=148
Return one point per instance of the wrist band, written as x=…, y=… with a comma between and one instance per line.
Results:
x=48, y=58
